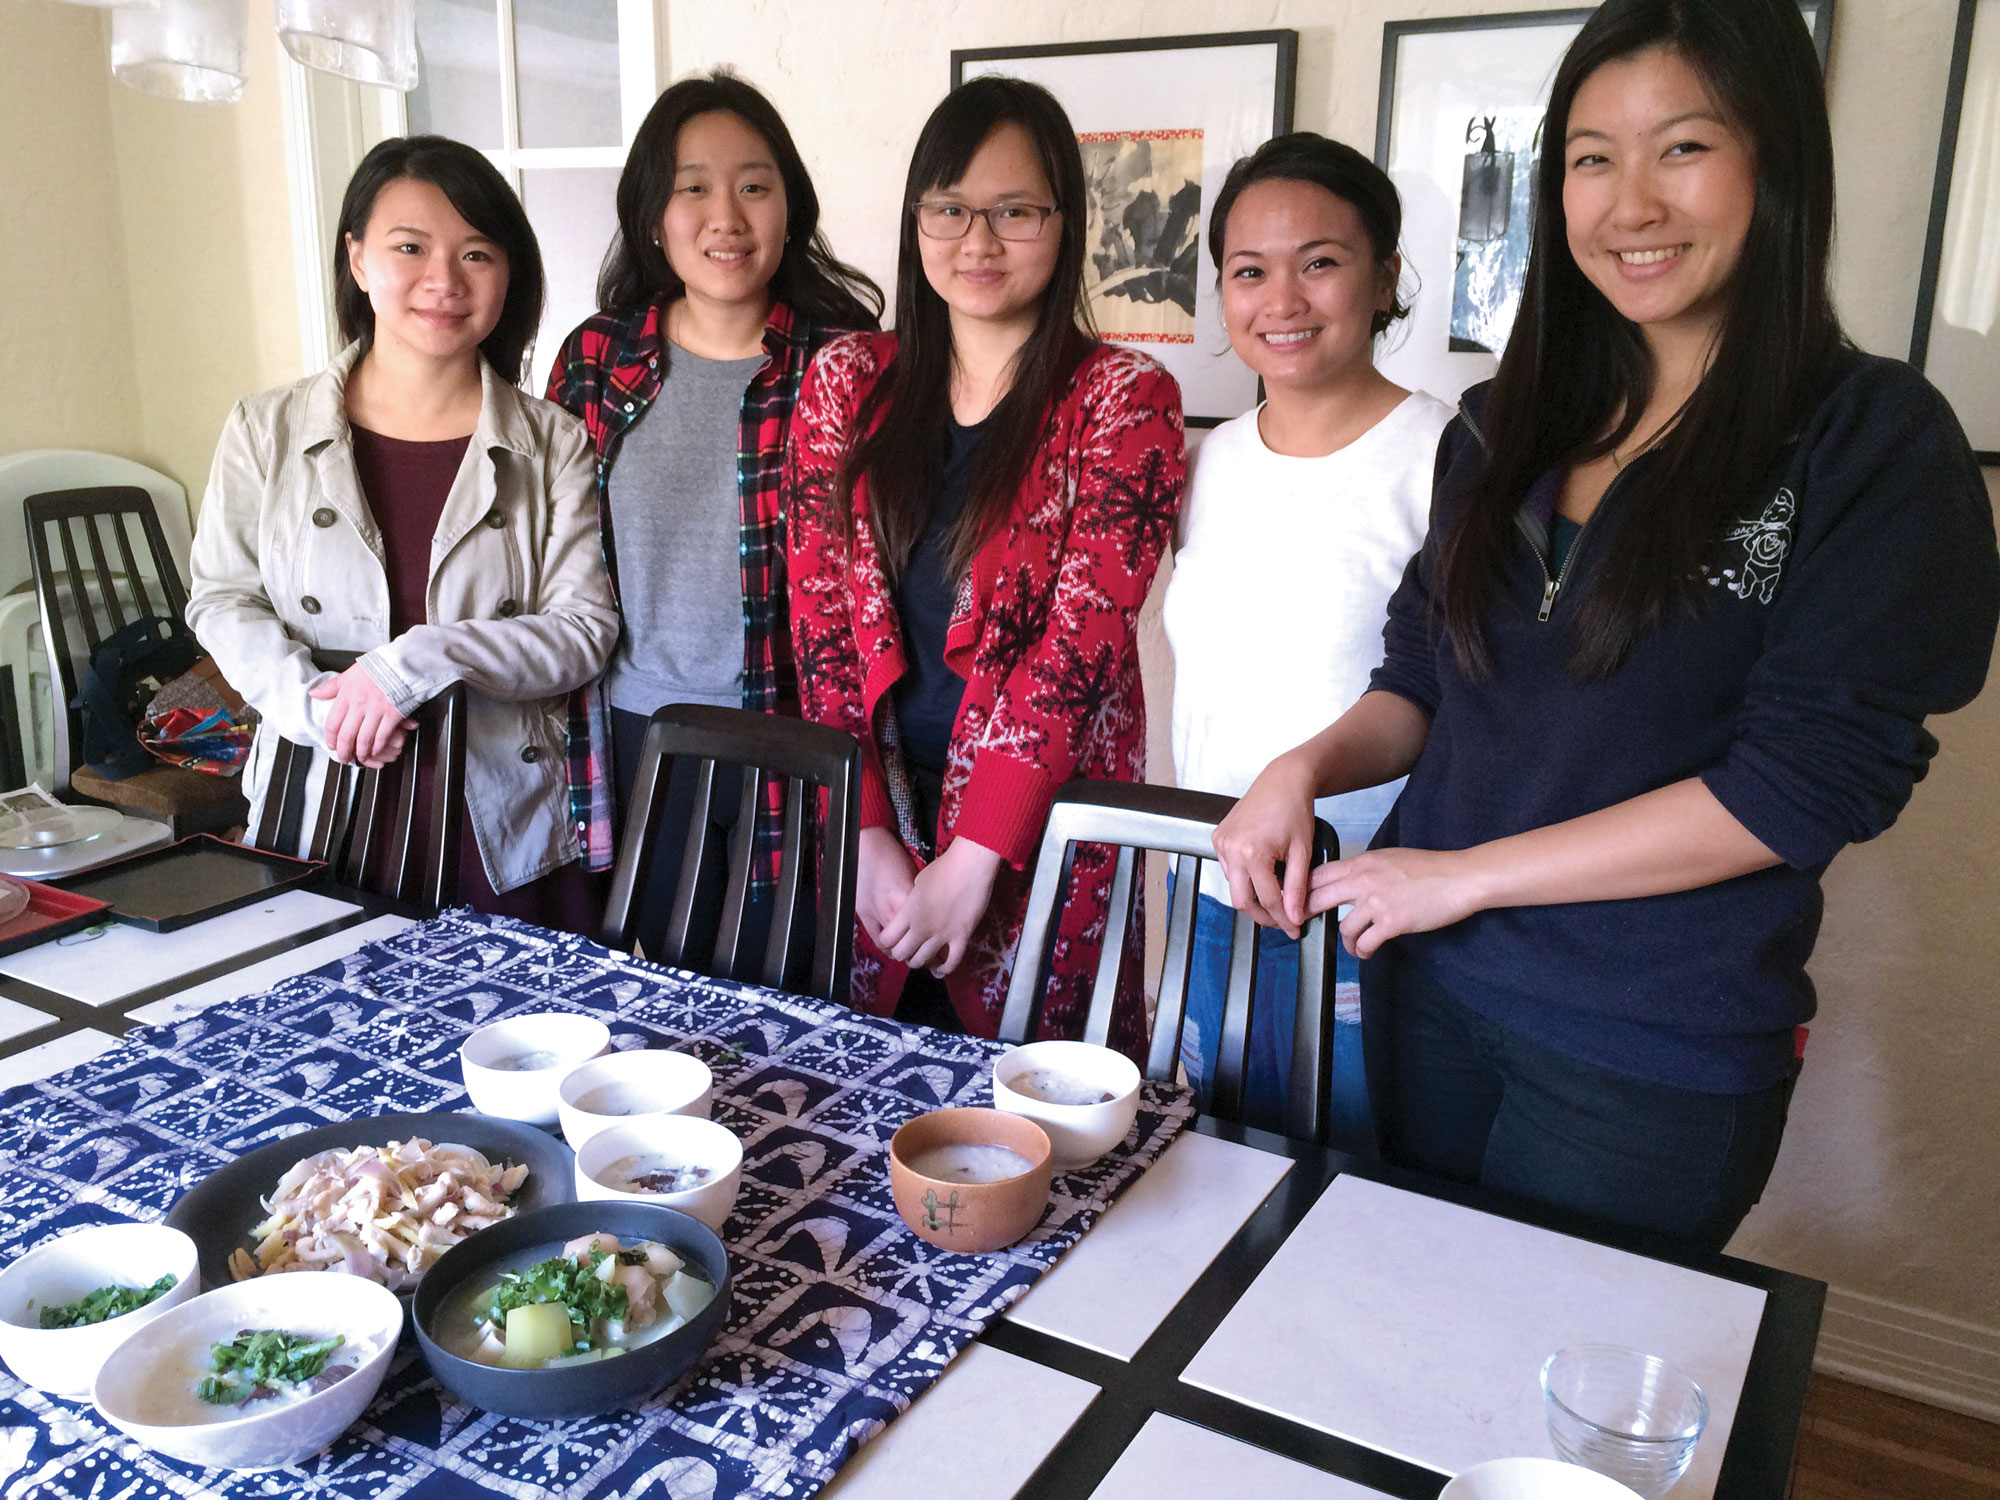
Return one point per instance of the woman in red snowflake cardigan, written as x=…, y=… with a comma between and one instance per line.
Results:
x=977, y=505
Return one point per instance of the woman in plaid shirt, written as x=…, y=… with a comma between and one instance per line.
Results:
x=715, y=294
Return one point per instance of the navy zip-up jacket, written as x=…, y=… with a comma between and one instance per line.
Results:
x=1857, y=594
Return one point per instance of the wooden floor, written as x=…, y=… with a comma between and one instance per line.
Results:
x=1860, y=1444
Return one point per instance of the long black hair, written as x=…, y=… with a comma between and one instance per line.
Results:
x=809, y=279
x=902, y=421
x=1335, y=166
x=1576, y=376
x=476, y=189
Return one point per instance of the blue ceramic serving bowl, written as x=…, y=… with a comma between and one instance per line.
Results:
x=585, y=1390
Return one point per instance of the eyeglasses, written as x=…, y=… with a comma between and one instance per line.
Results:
x=1008, y=221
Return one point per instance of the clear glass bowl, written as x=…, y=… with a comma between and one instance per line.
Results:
x=1627, y=1415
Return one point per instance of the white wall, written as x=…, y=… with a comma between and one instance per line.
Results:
x=66, y=370
x=1885, y=1187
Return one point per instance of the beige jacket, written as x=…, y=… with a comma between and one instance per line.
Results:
x=288, y=560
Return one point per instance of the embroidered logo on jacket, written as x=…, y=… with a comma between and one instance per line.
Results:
x=1765, y=541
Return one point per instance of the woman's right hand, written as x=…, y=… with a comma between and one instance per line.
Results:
x=1271, y=825
x=884, y=876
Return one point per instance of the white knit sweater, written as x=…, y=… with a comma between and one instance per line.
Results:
x=1278, y=596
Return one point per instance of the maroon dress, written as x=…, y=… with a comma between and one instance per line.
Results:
x=406, y=485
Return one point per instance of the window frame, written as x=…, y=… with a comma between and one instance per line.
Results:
x=330, y=123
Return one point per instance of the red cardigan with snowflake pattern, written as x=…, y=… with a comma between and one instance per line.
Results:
x=1044, y=636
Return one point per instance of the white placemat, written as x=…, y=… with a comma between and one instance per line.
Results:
x=1127, y=1274
x=100, y=965
x=1419, y=1328
x=978, y=1434
x=54, y=1057
x=17, y=1019
x=1175, y=1460
x=261, y=976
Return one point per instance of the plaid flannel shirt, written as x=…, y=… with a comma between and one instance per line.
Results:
x=609, y=372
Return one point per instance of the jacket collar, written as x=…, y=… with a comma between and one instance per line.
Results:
x=503, y=422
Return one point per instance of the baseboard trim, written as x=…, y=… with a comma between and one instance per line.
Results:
x=1930, y=1358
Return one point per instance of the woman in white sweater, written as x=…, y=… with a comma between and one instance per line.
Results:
x=1298, y=523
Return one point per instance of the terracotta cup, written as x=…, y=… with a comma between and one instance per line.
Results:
x=971, y=1217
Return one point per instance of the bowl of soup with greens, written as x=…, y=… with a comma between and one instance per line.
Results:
x=573, y=1310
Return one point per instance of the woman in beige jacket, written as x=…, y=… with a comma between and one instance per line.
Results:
x=411, y=504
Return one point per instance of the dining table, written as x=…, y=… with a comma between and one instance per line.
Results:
x=1211, y=1310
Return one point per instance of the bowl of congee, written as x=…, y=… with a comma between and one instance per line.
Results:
x=681, y=1161
x=970, y=1180
x=1083, y=1095
x=620, y=1087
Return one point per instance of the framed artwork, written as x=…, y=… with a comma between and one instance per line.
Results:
x=1458, y=129
x=1956, y=341
x=1160, y=121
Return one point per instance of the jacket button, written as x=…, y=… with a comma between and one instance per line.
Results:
x=309, y=604
x=494, y=519
x=509, y=608
x=324, y=518
x=531, y=754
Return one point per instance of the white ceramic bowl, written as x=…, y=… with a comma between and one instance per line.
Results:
x=687, y=1139
x=621, y=1087
x=1080, y=1133
x=513, y=1068
x=1532, y=1479
x=64, y=1361
x=147, y=1393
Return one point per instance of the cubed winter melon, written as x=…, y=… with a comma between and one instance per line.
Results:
x=538, y=1333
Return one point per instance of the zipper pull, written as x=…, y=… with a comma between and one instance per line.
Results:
x=1548, y=600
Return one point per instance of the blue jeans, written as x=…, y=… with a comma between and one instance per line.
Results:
x=1458, y=1095
x=1269, y=1066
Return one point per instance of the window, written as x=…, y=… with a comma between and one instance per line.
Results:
x=550, y=90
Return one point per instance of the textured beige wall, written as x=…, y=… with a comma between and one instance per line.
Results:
x=208, y=251
x=1885, y=1183
x=66, y=370
x=146, y=263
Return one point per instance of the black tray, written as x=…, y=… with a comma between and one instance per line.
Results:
x=190, y=881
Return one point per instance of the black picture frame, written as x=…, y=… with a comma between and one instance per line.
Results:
x=1394, y=31
x=1110, y=105
x=1452, y=339
x=1934, y=235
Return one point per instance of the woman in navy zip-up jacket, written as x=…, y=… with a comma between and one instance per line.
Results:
x=1696, y=573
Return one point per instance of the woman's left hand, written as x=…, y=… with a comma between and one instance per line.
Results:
x=362, y=725
x=933, y=927
x=1394, y=891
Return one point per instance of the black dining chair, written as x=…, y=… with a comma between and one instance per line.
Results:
x=686, y=739
x=1136, y=817
x=367, y=840
x=13, y=760
x=101, y=563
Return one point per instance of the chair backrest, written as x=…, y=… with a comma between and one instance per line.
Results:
x=42, y=471
x=768, y=747
x=13, y=767
x=101, y=562
x=350, y=809
x=1137, y=817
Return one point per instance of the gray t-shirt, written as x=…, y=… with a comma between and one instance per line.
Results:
x=676, y=518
